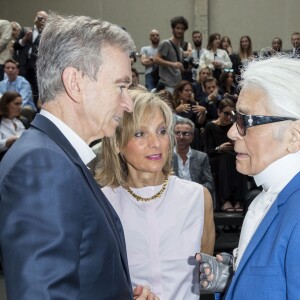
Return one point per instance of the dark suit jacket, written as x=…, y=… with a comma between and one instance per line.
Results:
x=296, y=54
x=21, y=54
x=60, y=238
x=199, y=169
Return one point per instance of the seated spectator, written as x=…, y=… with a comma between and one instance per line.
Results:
x=227, y=85
x=136, y=79
x=165, y=219
x=214, y=58
x=12, y=125
x=276, y=46
x=198, y=87
x=14, y=82
x=225, y=44
x=275, y=49
x=212, y=99
x=186, y=106
x=190, y=164
x=231, y=186
x=295, y=40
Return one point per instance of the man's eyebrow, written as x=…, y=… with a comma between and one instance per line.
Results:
x=243, y=110
x=124, y=80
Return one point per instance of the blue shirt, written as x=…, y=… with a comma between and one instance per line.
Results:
x=20, y=85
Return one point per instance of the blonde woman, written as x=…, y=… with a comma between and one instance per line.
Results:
x=165, y=219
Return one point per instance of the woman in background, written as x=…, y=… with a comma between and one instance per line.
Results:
x=225, y=44
x=12, y=125
x=214, y=58
x=186, y=106
x=245, y=54
x=165, y=219
x=227, y=87
x=198, y=87
x=231, y=186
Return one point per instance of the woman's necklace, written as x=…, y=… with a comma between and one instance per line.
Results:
x=139, y=198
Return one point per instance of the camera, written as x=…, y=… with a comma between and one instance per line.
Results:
x=189, y=61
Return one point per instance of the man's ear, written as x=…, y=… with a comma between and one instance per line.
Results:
x=73, y=83
x=294, y=141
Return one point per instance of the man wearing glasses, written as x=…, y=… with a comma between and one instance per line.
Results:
x=188, y=163
x=266, y=135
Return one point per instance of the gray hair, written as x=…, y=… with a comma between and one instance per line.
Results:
x=278, y=77
x=183, y=121
x=75, y=41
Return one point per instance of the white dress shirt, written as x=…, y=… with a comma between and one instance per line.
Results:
x=81, y=147
x=9, y=128
x=184, y=169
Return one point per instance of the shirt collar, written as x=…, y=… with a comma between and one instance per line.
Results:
x=287, y=166
x=189, y=154
x=82, y=148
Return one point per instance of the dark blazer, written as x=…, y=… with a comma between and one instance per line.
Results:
x=296, y=54
x=59, y=236
x=21, y=53
x=199, y=169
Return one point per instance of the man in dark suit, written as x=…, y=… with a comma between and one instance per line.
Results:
x=60, y=238
x=188, y=163
x=295, y=40
x=26, y=51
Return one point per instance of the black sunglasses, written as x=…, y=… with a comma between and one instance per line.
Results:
x=183, y=133
x=245, y=121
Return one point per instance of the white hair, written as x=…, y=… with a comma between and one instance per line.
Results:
x=279, y=78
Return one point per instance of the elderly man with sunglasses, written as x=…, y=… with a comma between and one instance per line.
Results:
x=266, y=136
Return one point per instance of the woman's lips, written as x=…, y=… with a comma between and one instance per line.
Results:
x=154, y=157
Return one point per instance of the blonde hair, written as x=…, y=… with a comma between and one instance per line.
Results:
x=113, y=169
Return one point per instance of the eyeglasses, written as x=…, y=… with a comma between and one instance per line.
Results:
x=245, y=121
x=228, y=70
x=183, y=133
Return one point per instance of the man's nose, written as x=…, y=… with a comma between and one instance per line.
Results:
x=127, y=103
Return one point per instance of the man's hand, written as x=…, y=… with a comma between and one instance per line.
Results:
x=215, y=272
x=143, y=293
x=178, y=65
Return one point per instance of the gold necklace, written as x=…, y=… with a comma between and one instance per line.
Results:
x=139, y=198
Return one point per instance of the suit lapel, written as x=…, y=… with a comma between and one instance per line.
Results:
x=191, y=164
x=45, y=125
